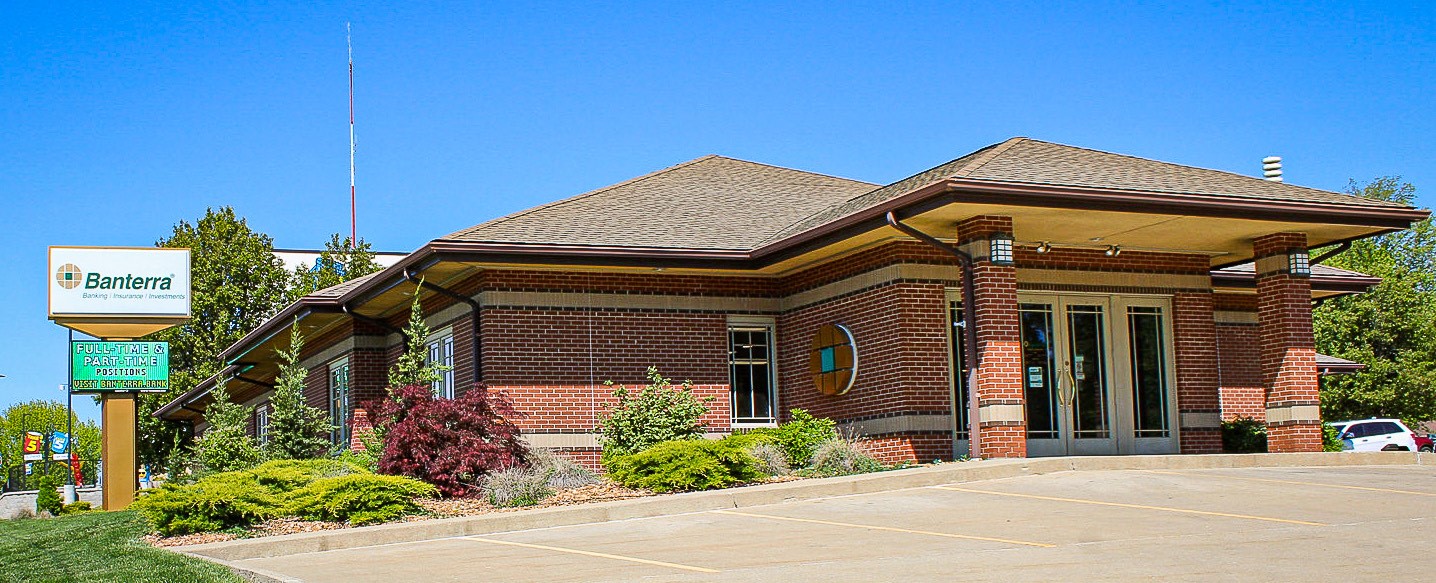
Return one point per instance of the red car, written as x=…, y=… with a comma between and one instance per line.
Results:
x=1424, y=443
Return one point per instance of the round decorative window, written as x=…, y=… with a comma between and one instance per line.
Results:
x=834, y=361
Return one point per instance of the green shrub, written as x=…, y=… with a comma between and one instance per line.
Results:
x=359, y=498
x=1331, y=438
x=561, y=472
x=47, y=499
x=685, y=465
x=217, y=502
x=75, y=508
x=840, y=457
x=226, y=446
x=658, y=412
x=517, y=486
x=1243, y=435
x=284, y=476
x=801, y=435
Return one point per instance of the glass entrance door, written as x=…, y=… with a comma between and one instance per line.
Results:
x=1098, y=374
x=1067, y=375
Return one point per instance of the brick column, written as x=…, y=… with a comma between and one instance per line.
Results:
x=1288, y=349
x=1002, y=414
x=1194, y=338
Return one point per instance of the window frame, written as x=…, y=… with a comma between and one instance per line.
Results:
x=261, y=423
x=442, y=342
x=753, y=324
x=339, y=419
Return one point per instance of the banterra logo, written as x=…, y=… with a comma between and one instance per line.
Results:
x=70, y=276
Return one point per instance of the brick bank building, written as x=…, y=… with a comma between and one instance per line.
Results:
x=1071, y=301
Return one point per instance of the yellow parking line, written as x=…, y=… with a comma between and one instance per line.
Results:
x=1138, y=506
x=1366, y=488
x=592, y=554
x=888, y=528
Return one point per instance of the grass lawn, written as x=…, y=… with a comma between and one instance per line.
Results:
x=95, y=546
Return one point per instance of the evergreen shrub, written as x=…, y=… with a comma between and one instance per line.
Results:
x=359, y=498
x=47, y=499
x=216, y=502
x=683, y=465
x=1243, y=435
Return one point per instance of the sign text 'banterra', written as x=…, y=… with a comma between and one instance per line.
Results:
x=119, y=281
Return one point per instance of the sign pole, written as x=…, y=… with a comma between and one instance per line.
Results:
x=70, y=485
x=118, y=414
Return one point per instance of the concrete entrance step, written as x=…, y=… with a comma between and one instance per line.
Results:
x=949, y=473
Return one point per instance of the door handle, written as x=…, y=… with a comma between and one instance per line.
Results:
x=1065, y=396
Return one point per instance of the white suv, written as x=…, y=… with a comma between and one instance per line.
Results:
x=1375, y=435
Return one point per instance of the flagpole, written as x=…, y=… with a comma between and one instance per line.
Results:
x=353, y=222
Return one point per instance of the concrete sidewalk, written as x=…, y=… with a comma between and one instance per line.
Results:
x=950, y=473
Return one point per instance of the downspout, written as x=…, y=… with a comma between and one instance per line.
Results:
x=382, y=325
x=969, y=326
x=474, y=314
x=1323, y=257
x=1332, y=253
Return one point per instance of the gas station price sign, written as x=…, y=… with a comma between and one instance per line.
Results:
x=100, y=367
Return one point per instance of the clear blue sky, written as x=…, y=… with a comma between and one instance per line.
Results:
x=119, y=119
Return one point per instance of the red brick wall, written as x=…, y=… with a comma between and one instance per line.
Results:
x=576, y=408
x=1194, y=339
x=526, y=347
x=999, y=342
x=1242, y=391
x=1288, y=348
x=902, y=353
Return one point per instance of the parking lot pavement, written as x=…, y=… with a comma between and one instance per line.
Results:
x=1267, y=524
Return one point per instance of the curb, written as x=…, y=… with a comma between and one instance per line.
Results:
x=949, y=473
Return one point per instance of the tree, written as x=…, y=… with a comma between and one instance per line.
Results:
x=296, y=430
x=450, y=443
x=340, y=261
x=413, y=367
x=1390, y=328
x=236, y=284
x=227, y=445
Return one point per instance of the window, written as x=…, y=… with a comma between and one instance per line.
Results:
x=750, y=369
x=441, y=353
x=339, y=405
x=261, y=423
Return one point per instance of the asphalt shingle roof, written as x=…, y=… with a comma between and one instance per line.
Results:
x=709, y=203
x=722, y=203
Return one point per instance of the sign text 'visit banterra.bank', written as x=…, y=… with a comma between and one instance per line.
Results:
x=119, y=281
x=119, y=366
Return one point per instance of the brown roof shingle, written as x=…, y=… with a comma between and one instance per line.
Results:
x=712, y=202
x=1029, y=161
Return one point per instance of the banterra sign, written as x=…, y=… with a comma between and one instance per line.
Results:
x=119, y=281
x=119, y=366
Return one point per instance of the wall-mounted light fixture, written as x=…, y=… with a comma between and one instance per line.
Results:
x=1044, y=246
x=1113, y=250
x=1298, y=262
x=1000, y=251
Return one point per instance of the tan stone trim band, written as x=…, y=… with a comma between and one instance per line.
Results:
x=1232, y=317
x=1001, y=414
x=1112, y=278
x=869, y=279
x=1272, y=264
x=627, y=301
x=1201, y=420
x=897, y=424
x=579, y=440
x=1294, y=414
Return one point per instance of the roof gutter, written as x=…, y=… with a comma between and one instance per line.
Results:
x=969, y=327
x=474, y=314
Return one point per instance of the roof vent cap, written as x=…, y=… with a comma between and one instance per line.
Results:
x=1271, y=168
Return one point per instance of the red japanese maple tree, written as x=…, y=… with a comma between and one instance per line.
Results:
x=450, y=443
